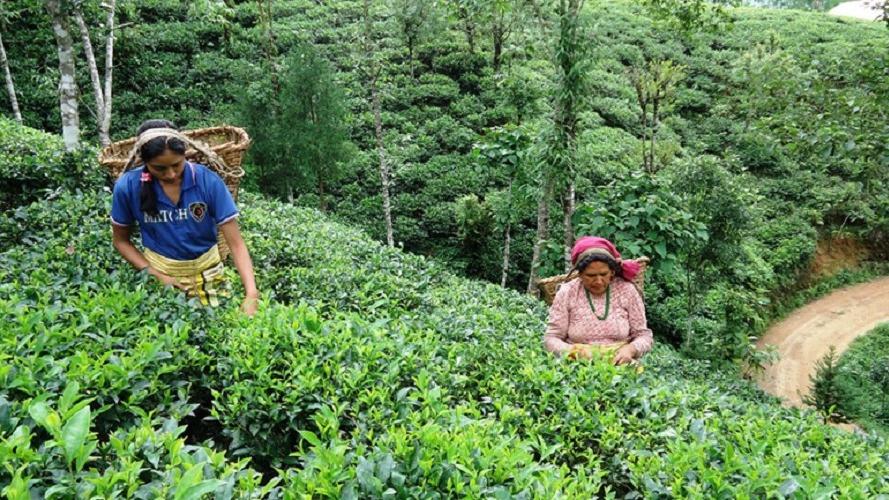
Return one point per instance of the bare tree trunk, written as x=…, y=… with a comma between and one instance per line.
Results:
x=507, y=235
x=645, y=158
x=507, y=238
x=93, y=70
x=655, y=123
x=378, y=126
x=322, y=197
x=322, y=200
x=68, y=105
x=105, y=126
x=645, y=164
x=469, y=30
x=567, y=214
x=384, y=167
x=410, y=56
x=90, y=57
x=470, y=37
x=542, y=234
x=102, y=96
x=266, y=18
x=636, y=77
x=569, y=57
x=498, y=34
x=10, y=86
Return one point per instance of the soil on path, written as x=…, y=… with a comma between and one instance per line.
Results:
x=869, y=10
x=805, y=336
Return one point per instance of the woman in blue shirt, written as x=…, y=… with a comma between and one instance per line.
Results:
x=180, y=208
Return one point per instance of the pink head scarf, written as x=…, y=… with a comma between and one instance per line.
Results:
x=594, y=244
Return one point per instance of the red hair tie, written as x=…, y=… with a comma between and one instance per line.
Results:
x=146, y=177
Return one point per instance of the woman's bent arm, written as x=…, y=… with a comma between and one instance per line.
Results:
x=640, y=335
x=125, y=247
x=555, y=339
x=243, y=263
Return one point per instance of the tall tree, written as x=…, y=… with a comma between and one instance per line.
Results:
x=655, y=84
x=270, y=46
x=416, y=20
x=521, y=91
x=373, y=72
x=299, y=132
x=499, y=17
x=102, y=94
x=569, y=92
x=468, y=13
x=689, y=16
x=216, y=12
x=558, y=169
x=105, y=126
x=68, y=105
x=544, y=198
x=505, y=148
x=505, y=16
x=10, y=86
x=544, y=194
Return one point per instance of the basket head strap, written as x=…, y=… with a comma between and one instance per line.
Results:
x=213, y=159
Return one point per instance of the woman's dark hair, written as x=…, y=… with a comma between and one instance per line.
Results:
x=151, y=150
x=597, y=257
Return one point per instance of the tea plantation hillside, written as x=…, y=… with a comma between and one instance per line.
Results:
x=367, y=373
x=772, y=135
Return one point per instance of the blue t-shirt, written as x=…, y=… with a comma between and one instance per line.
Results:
x=182, y=231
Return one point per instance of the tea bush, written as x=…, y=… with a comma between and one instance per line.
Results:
x=82, y=331
x=150, y=460
x=862, y=380
x=100, y=341
x=368, y=373
x=33, y=162
x=91, y=390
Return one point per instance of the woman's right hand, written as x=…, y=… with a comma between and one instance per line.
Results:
x=166, y=279
x=580, y=351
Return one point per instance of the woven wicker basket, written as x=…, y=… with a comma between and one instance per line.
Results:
x=228, y=142
x=549, y=286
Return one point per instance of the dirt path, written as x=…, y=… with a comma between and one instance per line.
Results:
x=863, y=9
x=805, y=336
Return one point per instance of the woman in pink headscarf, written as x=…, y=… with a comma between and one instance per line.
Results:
x=600, y=313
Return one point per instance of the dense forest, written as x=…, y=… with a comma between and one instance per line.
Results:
x=416, y=167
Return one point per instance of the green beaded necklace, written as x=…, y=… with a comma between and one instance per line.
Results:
x=607, y=302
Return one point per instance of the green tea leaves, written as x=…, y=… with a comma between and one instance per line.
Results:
x=74, y=434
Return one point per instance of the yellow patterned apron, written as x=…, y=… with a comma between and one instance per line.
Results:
x=202, y=277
